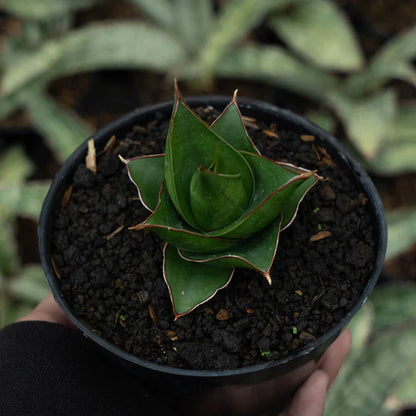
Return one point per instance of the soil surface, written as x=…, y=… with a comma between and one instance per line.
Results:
x=112, y=278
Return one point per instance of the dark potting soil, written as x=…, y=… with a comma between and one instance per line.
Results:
x=112, y=276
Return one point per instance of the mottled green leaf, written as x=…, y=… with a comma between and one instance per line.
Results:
x=230, y=127
x=15, y=166
x=29, y=285
x=392, y=61
x=398, y=152
x=394, y=304
x=369, y=378
x=43, y=9
x=395, y=158
x=191, y=144
x=257, y=252
x=63, y=130
x=274, y=65
x=402, y=231
x=8, y=247
x=148, y=174
x=319, y=31
x=275, y=184
x=368, y=120
x=404, y=125
x=361, y=328
x=236, y=19
x=161, y=11
x=405, y=392
x=191, y=284
x=401, y=47
x=193, y=21
x=377, y=74
x=25, y=199
x=11, y=311
x=168, y=224
x=12, y=101
x=323, y=119
x=97, y=46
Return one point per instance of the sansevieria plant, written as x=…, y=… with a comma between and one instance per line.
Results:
x=216, y=202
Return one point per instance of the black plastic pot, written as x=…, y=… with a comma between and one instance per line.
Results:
x=213, y=388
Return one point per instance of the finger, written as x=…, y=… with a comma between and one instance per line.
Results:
x=309, y=400
x=335, y=355
x=48, y=311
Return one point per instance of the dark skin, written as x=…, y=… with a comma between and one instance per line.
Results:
x=309, y=400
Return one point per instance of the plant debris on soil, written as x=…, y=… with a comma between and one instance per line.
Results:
x=112, y=276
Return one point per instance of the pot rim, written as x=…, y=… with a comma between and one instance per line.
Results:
x=220, y=101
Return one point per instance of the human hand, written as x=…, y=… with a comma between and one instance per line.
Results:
x=309, y=400
x=48, y=311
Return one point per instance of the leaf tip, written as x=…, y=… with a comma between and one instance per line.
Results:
x=178, y=93
x=308, y=174
x=235, y=96
x=91, y=159
x=123, y=160
x=268, y=278
x=139, y=226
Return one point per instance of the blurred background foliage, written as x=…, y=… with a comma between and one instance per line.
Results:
x=67, y=67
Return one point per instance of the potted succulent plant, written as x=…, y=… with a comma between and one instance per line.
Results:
x=213, y=199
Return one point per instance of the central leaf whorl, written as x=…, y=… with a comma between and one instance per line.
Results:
x=217, y=198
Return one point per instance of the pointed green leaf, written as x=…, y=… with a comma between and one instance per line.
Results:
x=401, y=47
x=395, y=158
x=193, y=22
x=12, y=101
x=191, y=284
x=291, y=206
x=377, y=74
x=405, y=392
x=63, y=130
x=398, y=152
x=191, y=144
x=402, y=231
x=275, y=184
x=323, y=119
x=24, y=199
x=167, y=223
x=161, y=11
x=230, y=127
x=256, y=253
x=320, y=32
x=9, y=259
x=43, y=9
x=29, y=285
x=216, y=199
x=10, y=311
x=236, y=19
x=404, y=125
x=274, y=65
x=394, y=60
x=394, y=304
x=361, y=328
x=148, y=174
x=97, y=46
x=368, y=120
x=369, y=378
x=15, y=166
